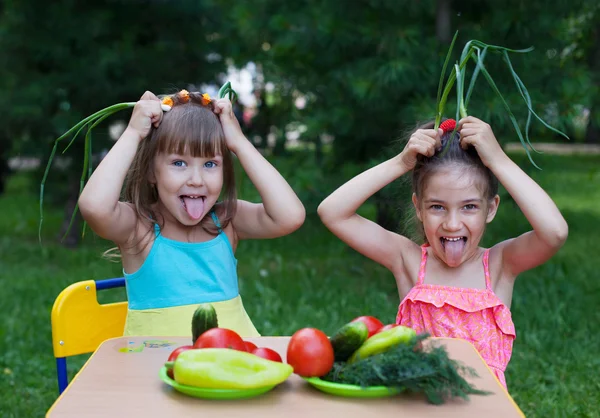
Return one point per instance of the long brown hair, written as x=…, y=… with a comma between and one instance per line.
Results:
x=190, y=126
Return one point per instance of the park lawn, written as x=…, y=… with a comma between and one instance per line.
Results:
x=311, y=279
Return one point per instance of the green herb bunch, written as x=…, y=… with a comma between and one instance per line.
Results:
x=410, y=366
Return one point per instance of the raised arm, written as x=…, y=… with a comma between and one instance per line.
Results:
x=550, y=229
x=99, y=201
x=338, y=211
x=281, y=211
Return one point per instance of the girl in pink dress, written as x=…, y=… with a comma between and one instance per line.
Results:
x=450, y=286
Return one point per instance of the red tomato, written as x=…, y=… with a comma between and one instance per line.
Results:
x=385, y=328
x=178, y=351
x=310, y=353
x=174, y=355
x=250, y=347
x=372, y=323
x=267, y=353
x=220, y=338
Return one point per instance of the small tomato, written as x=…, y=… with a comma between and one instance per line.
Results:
x=178, y=351
x=372, y=323
x=250, y=346
x=173, y=357
x=267, y=353
x=220, y=338
x=385, y=328
x=310, y=353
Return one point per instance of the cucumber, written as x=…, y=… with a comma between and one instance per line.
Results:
x=205, y=318
x=348, y=339
x=383, y=341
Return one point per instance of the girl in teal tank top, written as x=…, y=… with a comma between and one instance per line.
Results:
x=177, y=276
x=179, y=222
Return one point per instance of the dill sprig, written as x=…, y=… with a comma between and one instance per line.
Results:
x=410, y=367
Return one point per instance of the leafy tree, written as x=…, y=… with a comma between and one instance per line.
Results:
x=583, y=33
x=370, y=68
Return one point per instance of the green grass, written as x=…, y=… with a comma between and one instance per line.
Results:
x=312, y=279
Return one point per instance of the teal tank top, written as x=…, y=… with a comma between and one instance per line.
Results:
x=180, y=273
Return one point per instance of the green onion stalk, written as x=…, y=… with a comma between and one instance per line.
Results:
x=476, y=50
x=90, y=123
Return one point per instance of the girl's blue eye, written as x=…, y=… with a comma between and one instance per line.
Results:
x=179, y=163
x=437, y=207
x=210, y=164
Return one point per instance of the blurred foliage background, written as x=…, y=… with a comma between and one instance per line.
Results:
x=362, y=72
x=330, y=88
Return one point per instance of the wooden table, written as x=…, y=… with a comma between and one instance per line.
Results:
x=121, y=380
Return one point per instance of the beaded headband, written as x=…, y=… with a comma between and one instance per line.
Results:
x=184, y=96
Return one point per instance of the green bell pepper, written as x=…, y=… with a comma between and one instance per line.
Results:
x=383, y=341
x=224, y=368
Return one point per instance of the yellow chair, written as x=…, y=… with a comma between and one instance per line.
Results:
x=80, y=324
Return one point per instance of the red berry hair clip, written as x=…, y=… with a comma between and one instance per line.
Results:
x=448, y=125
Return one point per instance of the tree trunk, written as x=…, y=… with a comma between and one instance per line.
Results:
x=443, y=30
x=261, y=123
x=385, y=218
x=4, y=168
x=280, y=141
x=592, y=133
x=318, y=151
x=4, y=173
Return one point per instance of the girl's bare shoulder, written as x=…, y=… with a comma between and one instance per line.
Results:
x=137, y=248
x=498, y=273
x=229, y=230
x=406, y=269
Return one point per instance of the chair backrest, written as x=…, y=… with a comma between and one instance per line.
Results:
x=80, y=324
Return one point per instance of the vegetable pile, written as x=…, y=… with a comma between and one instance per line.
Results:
x=391, y=355
x=364, y=352
x=220, y=359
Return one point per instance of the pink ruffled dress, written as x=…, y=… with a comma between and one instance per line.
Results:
x=476, y=315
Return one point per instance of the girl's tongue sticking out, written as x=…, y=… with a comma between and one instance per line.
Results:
x=454, y=248
x=193, y=205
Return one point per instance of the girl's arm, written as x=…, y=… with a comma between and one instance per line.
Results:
x=99, y=201
x=338, y=211
x=281, y=211
x=550, y=229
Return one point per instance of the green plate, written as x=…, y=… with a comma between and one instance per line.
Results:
x=352, y=391
x=208, y=393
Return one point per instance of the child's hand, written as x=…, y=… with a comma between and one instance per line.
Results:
x=480, y=135
x=424, y=142
x=146, y=113
x=231, y=127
